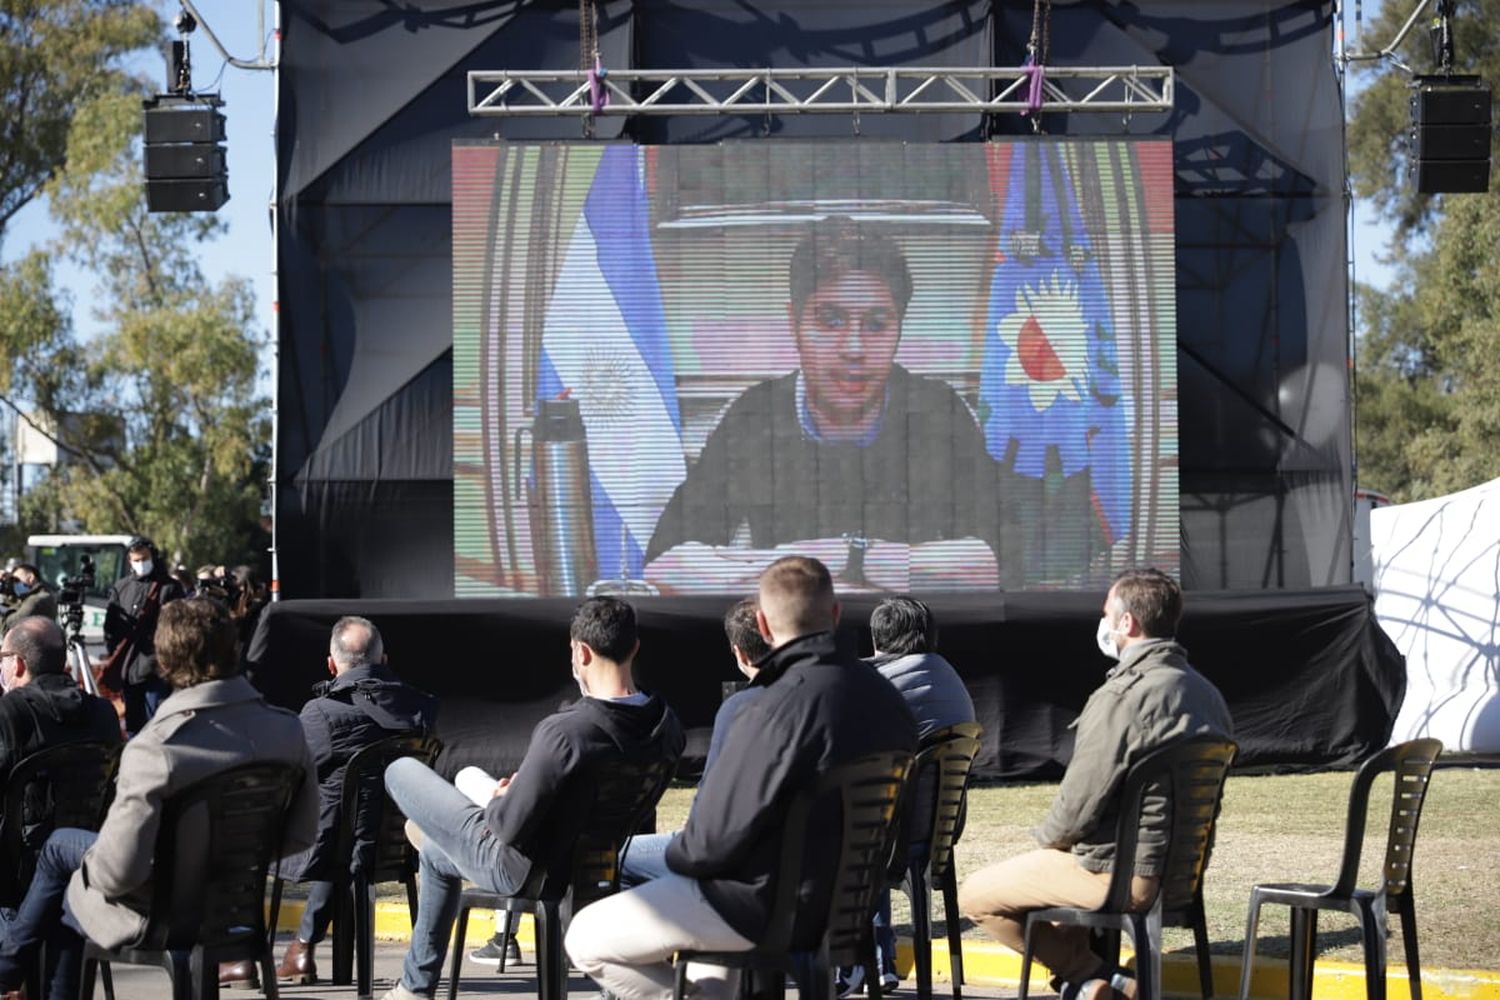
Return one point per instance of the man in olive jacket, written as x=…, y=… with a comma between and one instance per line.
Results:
x=1150, y=699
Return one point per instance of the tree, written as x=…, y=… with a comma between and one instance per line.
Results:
x=1428, y=376
x=55, y=57
x=174, y=368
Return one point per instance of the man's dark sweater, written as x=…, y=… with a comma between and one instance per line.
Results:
x=821, y=707
x=926, y=476
x=543, y=798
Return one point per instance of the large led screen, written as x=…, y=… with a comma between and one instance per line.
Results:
x=937, y=367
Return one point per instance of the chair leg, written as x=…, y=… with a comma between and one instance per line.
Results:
x=1304, y=947
x=507, y=929
x=550, y=986
x=86, y=978
x=268, y=975
x=197, y=978
x=955, y=933
x=679, y=978
x=921, y=923
x=364, y=935
x=1247, y=957
x=1200, y=945
x=107, y=977
x=1408, y=912
x=1372, y=930
x=460, y=928
x=343, y=934
x=1025, y=962
x=411, y=897
x=1145, y=934
x=276, y=886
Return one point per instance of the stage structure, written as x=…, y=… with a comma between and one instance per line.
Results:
x=409, y=138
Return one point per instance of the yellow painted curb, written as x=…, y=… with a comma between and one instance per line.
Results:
x=988, y=964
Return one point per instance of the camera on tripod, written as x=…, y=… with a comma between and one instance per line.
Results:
x=73, y=590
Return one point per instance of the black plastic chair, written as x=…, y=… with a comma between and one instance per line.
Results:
x=372, y=835
x=868, y=791
x=939, y=780
x=1190, y=775
x=1411, y=764
x=68, y=785
x=214, y=912
x=585, y=868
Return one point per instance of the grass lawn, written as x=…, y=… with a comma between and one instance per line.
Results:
x=1291, y=828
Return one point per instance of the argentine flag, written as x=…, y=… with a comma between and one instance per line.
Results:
x=1051, y=374
x=606, y=346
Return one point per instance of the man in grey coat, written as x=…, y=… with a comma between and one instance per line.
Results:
x=213, y=720
x=1150, y=699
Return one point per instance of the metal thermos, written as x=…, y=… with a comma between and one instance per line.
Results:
x=559, y=500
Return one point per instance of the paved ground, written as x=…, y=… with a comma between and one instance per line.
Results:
x=478, y=981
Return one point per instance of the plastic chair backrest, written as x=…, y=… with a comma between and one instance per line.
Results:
x=1411, y=764
x=238, y=817
x=1187, y=779
x=67, y=785
x=624, y=792
x=869, y=789
x=368, y=820
x=945, y=759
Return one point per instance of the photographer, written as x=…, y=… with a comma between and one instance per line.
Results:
x=26, y=583
x=130, y=632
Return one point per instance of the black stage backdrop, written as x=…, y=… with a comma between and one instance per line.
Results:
x=1310, y=678
x=373, y=95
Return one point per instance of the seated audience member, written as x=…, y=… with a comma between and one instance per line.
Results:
x=363, y=704
x=496, y=846
x=1150, y=699
x=905, y=637
x=43, y=707
x=644, y=857
x=212, y=721
x=820, y=707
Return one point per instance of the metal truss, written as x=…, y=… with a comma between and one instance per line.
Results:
x=848, y=90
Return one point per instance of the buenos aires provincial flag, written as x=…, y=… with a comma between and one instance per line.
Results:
x=605, y=344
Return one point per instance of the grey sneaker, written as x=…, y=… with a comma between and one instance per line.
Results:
x=400, y=992
x=491, y=952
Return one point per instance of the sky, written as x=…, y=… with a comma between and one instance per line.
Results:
x=246, y=250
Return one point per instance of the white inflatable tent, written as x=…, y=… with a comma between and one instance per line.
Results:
x=1437, y=595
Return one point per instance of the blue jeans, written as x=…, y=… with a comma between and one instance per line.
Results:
x=458, y=846
x=142, y=701
x=40, y=918
x=644, y=858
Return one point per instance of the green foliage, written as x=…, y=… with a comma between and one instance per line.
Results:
x=1428, y=375
x=56, y=56
x=161, y=407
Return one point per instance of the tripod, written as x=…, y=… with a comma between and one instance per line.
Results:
x=78, y=654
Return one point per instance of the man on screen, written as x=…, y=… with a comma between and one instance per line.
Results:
x=881, y=473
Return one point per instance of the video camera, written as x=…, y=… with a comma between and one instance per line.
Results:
x=73, y=589
x=221, y=588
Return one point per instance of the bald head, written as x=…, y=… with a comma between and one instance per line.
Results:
x=355, y=643
x=40, y=643
x=796, y=599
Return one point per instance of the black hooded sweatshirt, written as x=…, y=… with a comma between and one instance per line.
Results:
x=544, y=798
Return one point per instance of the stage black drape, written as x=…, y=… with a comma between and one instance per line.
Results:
x=1309, y=676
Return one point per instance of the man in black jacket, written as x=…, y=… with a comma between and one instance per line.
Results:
x=42, y=706
x=36, y=598
x=130, y=617
x=363, y=704
x=822, y=707
x=497, y=846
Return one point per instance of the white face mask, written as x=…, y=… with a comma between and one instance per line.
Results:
x=142, y=568
x=1105, y=637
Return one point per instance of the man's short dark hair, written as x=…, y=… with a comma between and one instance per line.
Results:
x=140, y=543
x=607, y=626
x=903, y=625
x=1153, y=599
x=742, y=631
x=796, y=596
x=39, y=641
x=837, y=246
x=196, y=641
x=36, y=574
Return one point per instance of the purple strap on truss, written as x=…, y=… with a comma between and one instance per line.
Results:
x=1034, y=89
x=598, y=96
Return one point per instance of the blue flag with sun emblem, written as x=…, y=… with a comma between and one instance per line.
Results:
x=1051, y=375
x=605, y=344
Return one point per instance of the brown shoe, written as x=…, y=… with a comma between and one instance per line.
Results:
x=297, y=964
x=239, y=975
